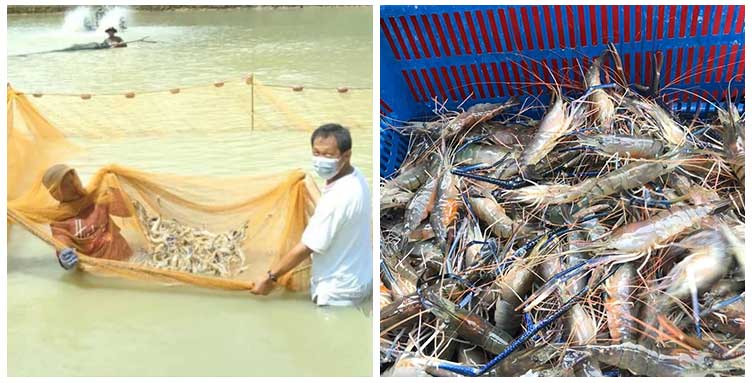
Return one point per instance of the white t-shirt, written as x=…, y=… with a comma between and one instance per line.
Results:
x=339, y=233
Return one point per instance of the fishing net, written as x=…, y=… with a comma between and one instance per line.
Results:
x=275, y=207
x=33, y=144
x=241, y=105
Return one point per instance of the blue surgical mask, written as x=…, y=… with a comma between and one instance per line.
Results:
x=326, y=168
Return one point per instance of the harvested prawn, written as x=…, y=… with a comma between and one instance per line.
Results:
x=445, y=207
x=622, y=145
x=643, y=361
x=485, y=155
x=619, y=303
x=733, y=140
x=671, y=131
x=596, y=236
x=493, y=215
x=601, y=103
x=646, y=235
x=420, y=205
x=467, y=325
x=411, y=178
x=632, y=175
x=555, y=124
x=476, y=114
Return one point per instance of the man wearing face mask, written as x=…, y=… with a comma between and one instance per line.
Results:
x=338, y=235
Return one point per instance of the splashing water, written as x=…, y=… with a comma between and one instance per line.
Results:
x=82, y=19
x=75, y=19
x=112, y=18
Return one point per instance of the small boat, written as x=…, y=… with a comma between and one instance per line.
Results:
x=84, y=46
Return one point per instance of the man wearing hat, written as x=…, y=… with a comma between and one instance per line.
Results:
x=112, y=40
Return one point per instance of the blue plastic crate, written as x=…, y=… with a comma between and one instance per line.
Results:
x=475, y=54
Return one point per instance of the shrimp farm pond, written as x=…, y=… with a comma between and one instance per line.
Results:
x=600, y=234
x=64, y=323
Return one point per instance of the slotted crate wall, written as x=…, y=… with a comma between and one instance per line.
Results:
x=451, y=54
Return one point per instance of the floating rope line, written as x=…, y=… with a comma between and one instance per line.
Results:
x=248, y=80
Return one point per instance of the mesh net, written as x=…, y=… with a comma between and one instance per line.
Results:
x=42, y=130
x=235, y=106
x=33, y=144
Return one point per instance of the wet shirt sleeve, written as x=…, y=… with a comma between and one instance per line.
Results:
x=114, y=200
x=60, y=232
x=323, y=226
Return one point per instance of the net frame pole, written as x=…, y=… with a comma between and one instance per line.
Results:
x=253, y=112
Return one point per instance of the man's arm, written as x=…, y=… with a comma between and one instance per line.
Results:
x=294, y=257
x=115, y=42
x=297, y=254
x=117, y=205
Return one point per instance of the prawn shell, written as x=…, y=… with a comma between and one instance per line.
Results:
x=552, y=127
x=420, y=205
x=619, y=304
x=647, y=234
x=493, y=215
x=623, y=145
x=446, y=207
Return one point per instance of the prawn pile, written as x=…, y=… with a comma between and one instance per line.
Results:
x=604, y=237
x=174, y=246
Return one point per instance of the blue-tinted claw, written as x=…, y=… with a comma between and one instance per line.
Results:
x=577, y=148
x=459, y=369
x=513, y=183
x=602, y=86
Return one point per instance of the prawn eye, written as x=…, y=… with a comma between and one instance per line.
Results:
x=708, y=362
